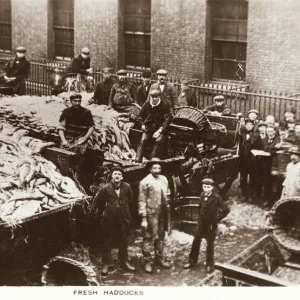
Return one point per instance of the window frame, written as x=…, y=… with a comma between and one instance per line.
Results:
x=7, y=24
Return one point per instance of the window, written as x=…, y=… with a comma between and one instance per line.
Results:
x=229, y=39
x=137, y=33
x=5, y=25
x=63, y=28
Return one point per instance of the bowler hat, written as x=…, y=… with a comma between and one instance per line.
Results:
x=75, y=96
x=294, y=150
x=146, y=74
x=219, y=98
x=122, y=72
x=21, y=49
x=117, y=168
x=253, y=111
x=153, y=161
x=208, y=181
x=162, y=72
x=155, y=92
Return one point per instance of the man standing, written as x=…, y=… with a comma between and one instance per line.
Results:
x=16, y=71
x=103, y=88
x=81, y=64
x=113, y=201
x=168, y=92
x=122, y=94
x=291, y=184
x=152, y=208
x=212, y=210
x=143, y=89
x=186, y=96
x=76, y=127
x=155, y=116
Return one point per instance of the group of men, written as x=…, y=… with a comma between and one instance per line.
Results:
x=264, y=149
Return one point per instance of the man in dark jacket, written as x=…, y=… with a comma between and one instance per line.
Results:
x=186, y=96
x=168, y=91
x=113, y=201
x=81, y=64
x=16, y=71
x=218, y=108
x=155, y=116
x=122, y=94
x=103, y=88
x=143, y=89
x=212, y=210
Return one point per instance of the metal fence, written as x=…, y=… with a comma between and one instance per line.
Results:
x=238, y=96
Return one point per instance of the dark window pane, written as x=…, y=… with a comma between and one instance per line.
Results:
x=5, y=25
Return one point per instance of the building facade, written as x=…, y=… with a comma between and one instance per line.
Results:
x=254, y=41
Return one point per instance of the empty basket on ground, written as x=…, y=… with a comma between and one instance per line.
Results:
x=190, y=117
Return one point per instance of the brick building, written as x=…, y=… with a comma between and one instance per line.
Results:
x=254, y=41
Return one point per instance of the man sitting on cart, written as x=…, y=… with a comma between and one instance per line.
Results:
x=218, y=108
x=155, y=116
x=76, y=127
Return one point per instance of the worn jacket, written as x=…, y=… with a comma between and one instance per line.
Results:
x=17, y=68
x=246, y=146
x=111, y=205
x=79, y=65
x=121, y=95
x=102, y=91
x=188, y=98
x=152, y=195
x=142, y=94
x=155, y=117
x=169, y=94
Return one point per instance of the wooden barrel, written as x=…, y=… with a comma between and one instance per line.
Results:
x=285, y=219
x=187, y=212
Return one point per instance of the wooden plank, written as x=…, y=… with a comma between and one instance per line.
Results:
x=292, y=265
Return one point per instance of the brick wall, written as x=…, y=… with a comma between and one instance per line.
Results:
x=178, y=37
x=273, y=50
x=30, y=26
x=96, y=26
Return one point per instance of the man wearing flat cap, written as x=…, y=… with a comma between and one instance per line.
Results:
x=113, y=203
x=212, y=210
x=155, y=117
x=218, y=107
x=152, y=205
x=16, y=71
x=144, y=88
x=186, y=96
x=122, y=94
x=103, y=88
x=76, y=127
x=168, y=91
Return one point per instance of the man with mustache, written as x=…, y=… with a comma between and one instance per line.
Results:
x=122, y=94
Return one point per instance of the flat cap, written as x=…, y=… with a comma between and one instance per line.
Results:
x=146, y=74
x=155, y=92
x=262, y=124
x=117, y=168
x=208, y=181
x=185, y=82
x=219, y=98
x=249, y=121
x=253, y=111
x=294, y=150
x=297, y=124
x=153, y=161
x=271, y=126
x=122, y=72
x=75, y=96
x=162, y=72
x=290, y=109
x=106, y=70
x=21, y=49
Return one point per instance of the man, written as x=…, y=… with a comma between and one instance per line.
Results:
x=218, y=107
x=152, y=208
x=144, y=88
x=81, y=64
x=103, y=88
x=76, y=127
x=168, y=92
x=155, y=117
x=289, y=114
x=270, y=120
x=245, y=145
x=122, y=94
x=269, y=145
x=113, y=201
x=16, y=71
x=212, y=210
x=186, y=96
x=295, y=136
x=291, y=184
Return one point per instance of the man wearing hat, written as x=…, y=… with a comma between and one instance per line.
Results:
x=168, y=91
x=76, y=127
x=103, y=88
x=186, y=96
x=113, y=203
x=218, y=107
x=16, y=71
x=155, y=116
x=144, y=88
x=152, y=206
x=291, y=184
x=122, y=94
x=212, y=210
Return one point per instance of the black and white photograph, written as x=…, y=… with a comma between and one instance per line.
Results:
x=149, y=143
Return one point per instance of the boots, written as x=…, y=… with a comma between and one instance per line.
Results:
x=148, y=268
x=162, y=263
x=127, y=266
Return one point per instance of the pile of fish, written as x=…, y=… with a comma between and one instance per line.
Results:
x=40, y=115
x=29, y=183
